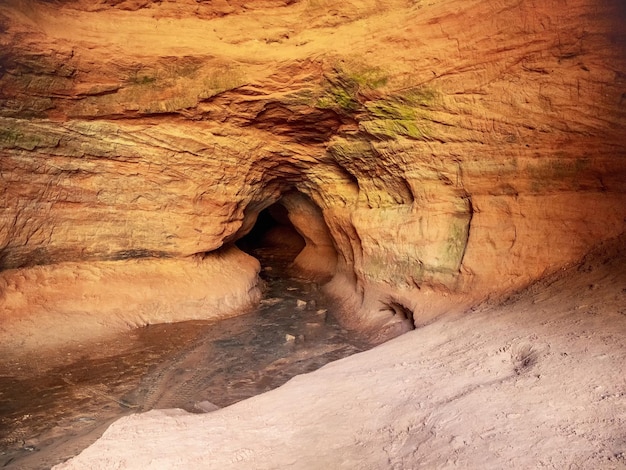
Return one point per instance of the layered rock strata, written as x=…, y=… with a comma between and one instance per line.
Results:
x=430, y=153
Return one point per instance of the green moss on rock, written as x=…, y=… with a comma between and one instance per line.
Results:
x=399, y=115
x=343, y=87
x=18, y=134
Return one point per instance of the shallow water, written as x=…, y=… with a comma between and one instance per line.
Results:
x=52, y=407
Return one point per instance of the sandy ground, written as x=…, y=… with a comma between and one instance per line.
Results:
x=538, y=381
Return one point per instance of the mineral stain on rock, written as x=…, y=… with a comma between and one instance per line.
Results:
x=420, y=158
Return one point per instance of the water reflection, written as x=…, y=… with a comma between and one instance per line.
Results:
x=51, y=408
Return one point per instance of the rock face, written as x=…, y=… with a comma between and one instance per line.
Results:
x=78, y=301
x=430, y=153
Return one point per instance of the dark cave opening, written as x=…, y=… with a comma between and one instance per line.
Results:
x=292, y=235
x=273, y=236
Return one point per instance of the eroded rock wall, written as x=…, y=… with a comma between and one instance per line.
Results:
x=56, y=304
x=445, y=151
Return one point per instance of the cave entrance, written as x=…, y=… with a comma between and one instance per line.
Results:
x=293, y=233
x=273, y=240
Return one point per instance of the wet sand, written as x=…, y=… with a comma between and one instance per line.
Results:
x=54, y=406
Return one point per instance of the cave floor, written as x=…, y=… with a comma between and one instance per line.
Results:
x=533, y=381
x=54, y=406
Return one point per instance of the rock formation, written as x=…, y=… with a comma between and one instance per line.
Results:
x=431, y=154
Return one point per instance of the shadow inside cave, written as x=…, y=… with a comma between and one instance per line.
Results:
x=274, y=235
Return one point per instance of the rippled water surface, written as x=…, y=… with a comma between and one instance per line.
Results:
x=51, y=408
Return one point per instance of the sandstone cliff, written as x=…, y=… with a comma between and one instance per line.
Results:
x=430, y=153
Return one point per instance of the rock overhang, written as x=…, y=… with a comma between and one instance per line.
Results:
x=449, y=164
